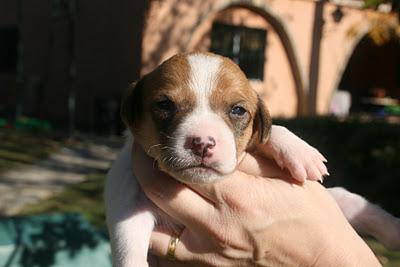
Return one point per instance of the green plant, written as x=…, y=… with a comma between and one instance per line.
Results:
x=375, y=3
x=3, y=123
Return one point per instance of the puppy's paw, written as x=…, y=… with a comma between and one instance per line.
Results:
x=289, y=151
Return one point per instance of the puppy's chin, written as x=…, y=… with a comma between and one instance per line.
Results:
x=196, y=175
x=199, y=175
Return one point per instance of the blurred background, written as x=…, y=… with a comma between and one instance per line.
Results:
x=327, y=70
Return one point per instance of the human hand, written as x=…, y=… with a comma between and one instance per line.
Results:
x=248, y=220
x=299, y=158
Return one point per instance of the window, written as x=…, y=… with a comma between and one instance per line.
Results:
x=245, y=46
x=8, y=49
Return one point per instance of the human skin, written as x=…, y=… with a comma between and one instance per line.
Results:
x=256, y=216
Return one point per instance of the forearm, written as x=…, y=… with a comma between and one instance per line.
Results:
x=306, y=245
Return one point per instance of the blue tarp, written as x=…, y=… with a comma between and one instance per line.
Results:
x=63, y=240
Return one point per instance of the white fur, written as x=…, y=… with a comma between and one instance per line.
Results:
x=224, y=156
x=129, y=229
x=203, y=76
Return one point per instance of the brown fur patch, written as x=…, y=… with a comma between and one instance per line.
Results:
x=169, y=80
x=233, y=88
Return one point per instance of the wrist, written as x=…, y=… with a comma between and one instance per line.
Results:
x=318, y=244
x=346, y=250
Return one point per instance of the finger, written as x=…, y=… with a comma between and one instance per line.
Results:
x=160, y=240
x=173, y=197
x=188, y=242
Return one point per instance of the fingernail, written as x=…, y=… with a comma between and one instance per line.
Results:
x=321, y=180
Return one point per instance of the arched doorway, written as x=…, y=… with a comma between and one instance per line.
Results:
x=372, y=76
x=280, y=55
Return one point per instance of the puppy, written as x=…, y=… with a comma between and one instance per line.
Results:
x=194, y=115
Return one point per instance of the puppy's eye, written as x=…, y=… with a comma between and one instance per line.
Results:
x=165, y=104
x=164, y=109
x=238, y=111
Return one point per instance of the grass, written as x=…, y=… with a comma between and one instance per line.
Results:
x=85, y=198
x=20, y=148
x=387, y=257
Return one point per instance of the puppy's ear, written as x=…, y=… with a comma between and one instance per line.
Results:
x=262, y=122
x=132, y=105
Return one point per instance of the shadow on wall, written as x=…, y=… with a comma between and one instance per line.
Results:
x=52, y=240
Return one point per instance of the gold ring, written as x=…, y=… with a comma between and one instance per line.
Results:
x=173, y=242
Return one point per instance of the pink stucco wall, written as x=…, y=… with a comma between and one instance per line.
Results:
x=278, y=88
x=339, y=40
x=174, y=26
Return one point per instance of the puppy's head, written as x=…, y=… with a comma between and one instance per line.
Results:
x=195, y=114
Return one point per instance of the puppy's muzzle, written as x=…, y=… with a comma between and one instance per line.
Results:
x=201, y=146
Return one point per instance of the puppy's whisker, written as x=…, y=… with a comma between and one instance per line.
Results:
x=169, y=137
x=167, y=147
x=153, y=146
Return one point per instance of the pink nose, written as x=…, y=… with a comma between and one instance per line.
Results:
x=201, y=146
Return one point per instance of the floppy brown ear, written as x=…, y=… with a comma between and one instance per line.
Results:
x=132, y=105
x=262, y=122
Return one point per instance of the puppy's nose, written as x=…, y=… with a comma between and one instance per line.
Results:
x=201, y=146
